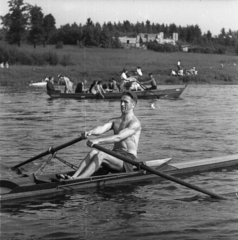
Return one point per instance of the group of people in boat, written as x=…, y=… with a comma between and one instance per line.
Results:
x=135, y=82
x=128, y=81
x=62, y=80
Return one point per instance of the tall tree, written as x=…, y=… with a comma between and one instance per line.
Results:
x=15, y=22
x=209, y=35
x=90, y=33
x=48, y=27
x=115, y=41
x=105, y=39
x=148, y=27
x=36, y=25
x=127, y=26
x=172, y=28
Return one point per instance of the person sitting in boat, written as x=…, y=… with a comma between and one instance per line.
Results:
x=152, y=82
x=113, y=85
x=179, y=65
x=124, y=74
x=79, y=88
x=68, y=84
x=124, y=85
x=139, y=71
x=126, y=129
x=50, y=85
x=97, y=89
x=129, y=82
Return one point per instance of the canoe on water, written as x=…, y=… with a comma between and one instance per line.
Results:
x=169, y=93
x=33, y=185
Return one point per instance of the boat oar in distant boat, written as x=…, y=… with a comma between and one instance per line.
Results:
x=163, y=175
x=51, y=150
x=146, y=89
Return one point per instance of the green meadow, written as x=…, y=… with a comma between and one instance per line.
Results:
x=102, y=64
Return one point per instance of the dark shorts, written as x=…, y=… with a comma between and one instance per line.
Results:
x=127, y=166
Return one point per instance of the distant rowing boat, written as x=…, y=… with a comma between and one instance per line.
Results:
x=172, y=93
x=32, y=186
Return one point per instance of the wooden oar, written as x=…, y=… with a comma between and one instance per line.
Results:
x=49, y=151
x=146, y=89
x=166, y=176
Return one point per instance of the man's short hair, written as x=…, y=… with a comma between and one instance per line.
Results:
x=131, y=94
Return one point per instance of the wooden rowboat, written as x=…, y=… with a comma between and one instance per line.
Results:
x=31, y=185
x=172, y=93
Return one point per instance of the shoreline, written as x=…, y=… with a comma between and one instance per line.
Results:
x=103, y=64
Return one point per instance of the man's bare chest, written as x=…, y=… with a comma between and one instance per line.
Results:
x=119, y=126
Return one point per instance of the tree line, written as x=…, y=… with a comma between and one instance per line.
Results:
x=27, y=23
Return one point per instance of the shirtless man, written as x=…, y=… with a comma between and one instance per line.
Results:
x=152, y=82
x=126, y=128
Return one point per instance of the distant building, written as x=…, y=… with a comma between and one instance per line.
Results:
x=128, y=42
x=146, y=37
x=143, y=38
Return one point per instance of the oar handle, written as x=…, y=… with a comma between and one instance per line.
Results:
x=163, y=175
x=50, y=150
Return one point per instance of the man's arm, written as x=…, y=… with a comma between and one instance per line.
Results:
x=147, y=81
x=98, y=130
x=133, y=127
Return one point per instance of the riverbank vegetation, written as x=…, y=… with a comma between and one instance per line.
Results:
x=34, y=48
x=90, y=64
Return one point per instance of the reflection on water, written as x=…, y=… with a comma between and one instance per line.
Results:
x=202, y=124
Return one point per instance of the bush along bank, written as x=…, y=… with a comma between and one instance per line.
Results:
x=14, y=55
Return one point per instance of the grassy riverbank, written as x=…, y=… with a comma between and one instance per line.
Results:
x=102, y=64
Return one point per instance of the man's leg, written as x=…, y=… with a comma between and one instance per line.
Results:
x=86, y=162
x=97, y=160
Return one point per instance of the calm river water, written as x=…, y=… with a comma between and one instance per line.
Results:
x=202, y=124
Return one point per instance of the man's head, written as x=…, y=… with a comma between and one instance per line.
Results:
x=128, y=101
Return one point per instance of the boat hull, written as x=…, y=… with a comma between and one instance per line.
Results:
x=172, y=93
x=26, y=187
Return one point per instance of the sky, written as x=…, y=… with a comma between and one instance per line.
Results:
x=212, y=15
